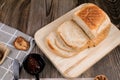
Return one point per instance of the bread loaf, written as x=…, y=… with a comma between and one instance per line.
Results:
x=94, y=21
x=90, y=26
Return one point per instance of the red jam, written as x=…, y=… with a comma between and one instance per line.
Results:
x=33, y=65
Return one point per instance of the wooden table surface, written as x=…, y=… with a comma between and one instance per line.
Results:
x=30, y=15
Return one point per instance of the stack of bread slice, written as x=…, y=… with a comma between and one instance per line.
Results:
x=68, y=40
x=89, y=26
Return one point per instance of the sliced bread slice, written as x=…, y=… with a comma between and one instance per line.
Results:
x=73, y=35
x=62, y=45
x=51, y=41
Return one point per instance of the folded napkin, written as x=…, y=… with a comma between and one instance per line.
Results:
x=7, y=36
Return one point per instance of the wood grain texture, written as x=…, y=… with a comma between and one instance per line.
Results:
x=15, y=13
x=31, y=15
x=112, y=7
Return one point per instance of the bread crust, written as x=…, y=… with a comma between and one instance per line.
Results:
x=92, y=15
x=91, y=19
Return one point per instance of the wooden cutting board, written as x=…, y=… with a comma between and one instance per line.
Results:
x=76, y=65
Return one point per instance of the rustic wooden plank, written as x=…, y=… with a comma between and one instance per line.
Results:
x=15, y=13
x=47, y=11
x=112, y=7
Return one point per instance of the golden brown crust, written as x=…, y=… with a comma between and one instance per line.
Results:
x=21, y=44
x=50, y=46
x=101, y=36
x=92, y=15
